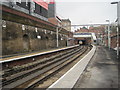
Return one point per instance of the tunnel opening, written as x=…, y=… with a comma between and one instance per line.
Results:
x=82, y=42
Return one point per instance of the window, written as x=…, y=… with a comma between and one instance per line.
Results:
x=19, y=1
x=38, y=9
x=39, y=37
x=24, y=4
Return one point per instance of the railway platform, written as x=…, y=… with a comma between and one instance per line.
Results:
x=99, y=70
x=17, y=57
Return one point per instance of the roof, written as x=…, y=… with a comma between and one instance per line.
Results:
x=66, y=20
x=41, y=3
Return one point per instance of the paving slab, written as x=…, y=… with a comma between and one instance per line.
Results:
x=101, y=72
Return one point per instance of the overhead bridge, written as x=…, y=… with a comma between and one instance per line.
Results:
x=88, y=25
x=87, y=38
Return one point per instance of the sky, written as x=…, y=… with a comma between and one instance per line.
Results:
x=86, y=11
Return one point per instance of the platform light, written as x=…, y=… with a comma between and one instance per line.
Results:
x=61, y=39
x=7, y=65
x=39, y=37
x=33, y=59
x=23, y=27
x=45, y=31
x=36, y=29
x=3, y=23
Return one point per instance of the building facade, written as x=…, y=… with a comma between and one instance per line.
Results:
x=66, y=24
x=37, y=8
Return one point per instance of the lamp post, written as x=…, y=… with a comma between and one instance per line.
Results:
x=118, y=25
x=57, y=32
x=109, y=39
x=105, y=35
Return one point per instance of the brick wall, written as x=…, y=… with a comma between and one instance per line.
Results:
x=114, y=41
x=18, y=38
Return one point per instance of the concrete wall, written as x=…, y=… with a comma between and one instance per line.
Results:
x=51, y=10
x=66, y=23
x=19, y=38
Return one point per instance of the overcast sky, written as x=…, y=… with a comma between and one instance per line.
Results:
x=86, y=11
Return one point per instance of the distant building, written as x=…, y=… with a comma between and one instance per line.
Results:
x=98, y=32
x=83, y=29
x=66, y=23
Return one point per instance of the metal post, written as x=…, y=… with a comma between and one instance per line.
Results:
x=118, y=27
x=105, y=35
x=109, y=38
x=117, y=42
x=57, y=37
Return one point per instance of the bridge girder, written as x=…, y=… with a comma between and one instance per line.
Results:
x=89, y=25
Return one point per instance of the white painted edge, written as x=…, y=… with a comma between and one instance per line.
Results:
x=22, y=57
x=91, y=53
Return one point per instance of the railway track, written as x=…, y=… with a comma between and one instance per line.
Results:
x=9, y=72
x=43, y=69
